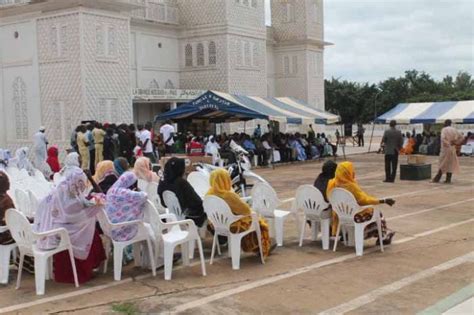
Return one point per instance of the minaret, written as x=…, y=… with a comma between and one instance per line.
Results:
x=222, y=45
x=298, y=31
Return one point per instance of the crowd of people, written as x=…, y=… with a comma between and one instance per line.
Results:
x=75, y=202
x=429, y=143
x=267, y=147
x=112, y=186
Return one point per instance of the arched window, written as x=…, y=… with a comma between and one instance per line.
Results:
x=294, y=65
x=212, y=53
x=247, y=57
x=289, y=12
x=188, y=55
x=255, y=55
x=286, y=65
x=238, y=51
x=21, y=110
x=200, y=54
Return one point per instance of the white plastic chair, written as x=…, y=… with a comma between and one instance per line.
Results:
x=5, y=252
x=265, y=201
x=141, y=236
x=57, y=178
x=152, y=192
x=34, y=202
x=221, y=217
x=346, y=207
x=40, y=176
x=171, y=235
x=216, y=158
x=172, y=203
x=311, y=201
x=23, y=203
x=199, y=182
x=26, y=239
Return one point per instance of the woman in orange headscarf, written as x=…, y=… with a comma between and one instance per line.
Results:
x=221, y=186
x=345, y=178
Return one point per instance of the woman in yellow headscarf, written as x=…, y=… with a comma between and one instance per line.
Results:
x=345, y=178
x=221, y=186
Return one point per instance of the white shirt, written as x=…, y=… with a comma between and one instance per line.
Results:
x=144, y=136
x=266, y=145
x=166, y=131
x=39, y=140
x=212, y=147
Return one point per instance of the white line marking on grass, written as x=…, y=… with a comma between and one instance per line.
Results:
x=397, y=285
x=430, y=209
x=256, y=284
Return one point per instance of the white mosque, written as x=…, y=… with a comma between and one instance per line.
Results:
x=65, y=61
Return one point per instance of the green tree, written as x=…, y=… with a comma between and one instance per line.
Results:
x=354, y=102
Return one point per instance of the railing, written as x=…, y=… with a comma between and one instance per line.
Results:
x=12, y=2
x=156, y=11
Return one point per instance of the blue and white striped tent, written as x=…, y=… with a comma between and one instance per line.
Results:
x=223, y=107
x=430, y=113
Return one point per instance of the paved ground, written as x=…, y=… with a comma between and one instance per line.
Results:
x=429, y=267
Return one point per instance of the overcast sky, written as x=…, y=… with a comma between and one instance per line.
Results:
x=376, y=39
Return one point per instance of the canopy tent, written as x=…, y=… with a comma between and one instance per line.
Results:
x=220, y=107
x=413, y=113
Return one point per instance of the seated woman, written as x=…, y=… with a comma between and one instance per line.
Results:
x=125, y=204
x=298, y=148
x=345, y=178
x=5, y=237
x=142, y=169
x=189, y=200
x=5, y=157
x=121, y=165
x=22, y=162
x=105, y=175
x=53, y=160
x=328, y=173
x=409, y=147
x=221, y=186
x=5, y=204
x=72, y=161
x=68, y=207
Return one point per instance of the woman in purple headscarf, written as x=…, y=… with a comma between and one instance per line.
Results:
x=68, y=206
x=125, y=204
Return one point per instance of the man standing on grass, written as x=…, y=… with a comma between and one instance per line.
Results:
x=393, y=142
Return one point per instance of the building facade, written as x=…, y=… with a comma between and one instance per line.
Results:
x=63, y=62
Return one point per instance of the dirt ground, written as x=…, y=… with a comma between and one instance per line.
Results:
x=431, y=260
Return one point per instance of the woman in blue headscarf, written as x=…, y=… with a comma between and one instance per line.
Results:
x=121, y=165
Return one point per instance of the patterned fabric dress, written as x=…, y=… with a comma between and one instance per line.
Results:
x=345, y=178
x=221, y=187
x=123, y=205
x=67, y=207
